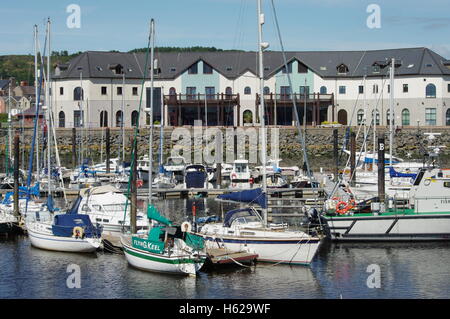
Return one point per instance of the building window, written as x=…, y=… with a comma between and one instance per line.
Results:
x=207, y=69
x=247, y=117
x=228, y=92
x=405, y=88
x=405, y=117
x=191, y=92
x=119, y=119
x=389, y=88
x=430, y=116
x=104, y=90
x=77, y=118
x=266, y=90
x=448, y=87
x=172, y=91
x=361, y=89
x=375, y=89
x=304, y=90
x=289, y=68
x=342, y=89
x=119, y=90
x=78, y=94
x=285, y=92
x=135, y=90
x=103, y=119
x=447, y=117
x=360, y=117
x=376, y=68
x=302, y=68
x=323, y=90
x=193, y=69
x=61, y=91
x=134, y=118
x=247, y=90
x=377, y=117
x=62, y=119
x=342, y=69
x=430, y=91
x=388, y=118
x=210, y=92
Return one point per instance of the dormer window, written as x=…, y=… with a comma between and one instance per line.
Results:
x=99, y=68
x=173, y=69
x=376, y=68
x=229, y=68
x=342, y=69
x=116, y=68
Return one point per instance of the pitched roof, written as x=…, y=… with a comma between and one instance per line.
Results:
x=232, y=64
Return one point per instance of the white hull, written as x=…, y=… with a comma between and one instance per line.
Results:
x=44, y=240
x=287, y=250
x=410, y=227
x=178, y=265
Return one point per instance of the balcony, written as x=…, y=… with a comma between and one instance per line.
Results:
x=216, y=109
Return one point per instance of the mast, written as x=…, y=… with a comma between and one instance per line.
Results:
x=9, y=149
x=123, y=116
x=37, y=97
x=391, y=109
x=48, y=102
x=261, y=46
x=150, y=111
x=364, y=123
x=161, y=131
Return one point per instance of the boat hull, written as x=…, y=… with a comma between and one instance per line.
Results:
x=299, y=251
x=407, y=227
x=66, y=244
x=178, y=265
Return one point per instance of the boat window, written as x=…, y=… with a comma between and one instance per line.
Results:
x=97, y=207
x=85, y=208
x=447, y=184
x=419, y=178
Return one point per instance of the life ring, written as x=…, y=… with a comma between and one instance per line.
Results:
x=139, y=183
x=186, y=227
x=78, y=232
x=234, y=175
x=343, y=207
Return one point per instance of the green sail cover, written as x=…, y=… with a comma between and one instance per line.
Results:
x=194, y=241
x=152, y=213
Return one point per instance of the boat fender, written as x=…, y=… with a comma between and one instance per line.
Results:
x=186, y=227
x=77, y=232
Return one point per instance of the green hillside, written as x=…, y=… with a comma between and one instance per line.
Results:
x=21, y=67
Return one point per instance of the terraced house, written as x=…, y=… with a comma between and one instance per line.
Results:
x=98, y=89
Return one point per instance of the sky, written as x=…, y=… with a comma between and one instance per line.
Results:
x=305, y=25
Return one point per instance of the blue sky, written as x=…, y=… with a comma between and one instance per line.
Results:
x=227, y=24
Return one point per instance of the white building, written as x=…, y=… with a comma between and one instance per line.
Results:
x=96, y=88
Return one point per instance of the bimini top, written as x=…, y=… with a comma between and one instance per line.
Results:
x=234, y=214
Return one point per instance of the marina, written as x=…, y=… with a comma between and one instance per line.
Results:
x=121, y=180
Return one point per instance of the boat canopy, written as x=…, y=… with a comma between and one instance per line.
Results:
x=247, y=196
x=24, y=192
x=237, y=213
x=64, y=225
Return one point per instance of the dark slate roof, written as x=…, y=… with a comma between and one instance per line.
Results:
x=232, y=64
x=4, y=84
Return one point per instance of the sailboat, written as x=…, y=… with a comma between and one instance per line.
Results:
x=247, y=229
x=164, y=248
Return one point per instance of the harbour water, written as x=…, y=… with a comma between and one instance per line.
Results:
x=407, y=270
